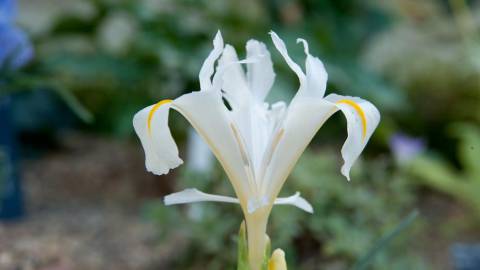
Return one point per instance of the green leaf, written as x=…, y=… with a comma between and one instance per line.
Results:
x=468, y=148
x=242, y=249
x=364, y=261
x=72, y=102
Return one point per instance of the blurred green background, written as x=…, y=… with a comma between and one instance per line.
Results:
x=92, y=205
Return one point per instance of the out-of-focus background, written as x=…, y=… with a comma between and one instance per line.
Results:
x=74, y=192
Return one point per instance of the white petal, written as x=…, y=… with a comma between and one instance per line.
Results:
x=282, y=49
x=276, y=115
x=296, y=200
x=208, y=115
x=303, y=119
x=362, y=119
x=192, y=195
x=316, y=74
x=234, y=83
x=161, y=152
x=260, y=73
x=208, y=66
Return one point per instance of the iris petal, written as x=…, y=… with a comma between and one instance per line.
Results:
x=362, y=120
x=282, y=49
x=260, y=73
x=207, y=69
x=192, y=195
x=161, y=152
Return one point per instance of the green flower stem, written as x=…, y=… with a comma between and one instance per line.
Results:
x=242, y=260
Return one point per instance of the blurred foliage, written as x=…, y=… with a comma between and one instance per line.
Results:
x=462, y=183
x=431, y=52
x=417, y=61
x=381, y=244
x=118, y=56
x=349, y=218
x=242, y=248
x=4, y=171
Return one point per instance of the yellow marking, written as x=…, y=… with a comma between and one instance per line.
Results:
x=360, y=112
x=152, y=112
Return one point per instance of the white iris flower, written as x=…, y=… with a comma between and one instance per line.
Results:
x=256, y=143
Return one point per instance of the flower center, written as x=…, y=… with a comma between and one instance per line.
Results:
x=257, y=142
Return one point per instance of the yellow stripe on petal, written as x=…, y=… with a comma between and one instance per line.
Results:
x=359, y=111
x=152, y=112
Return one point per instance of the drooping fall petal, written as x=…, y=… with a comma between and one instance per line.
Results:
x=151, y=126
x=362, y=120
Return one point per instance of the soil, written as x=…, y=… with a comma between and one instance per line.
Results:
x=84, y=210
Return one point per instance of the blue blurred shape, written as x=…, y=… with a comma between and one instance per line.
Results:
x=405, y=148
x=15, y=47
x=11, y=199
x=466, y=256
x=8, y=10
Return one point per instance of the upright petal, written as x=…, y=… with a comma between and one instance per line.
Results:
x=234, y=83
x=207, y=69
x=151, y=126
x=303, y=119
x=362, y=119
x=316, y=74
x=282, y=49
x=260, y=73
